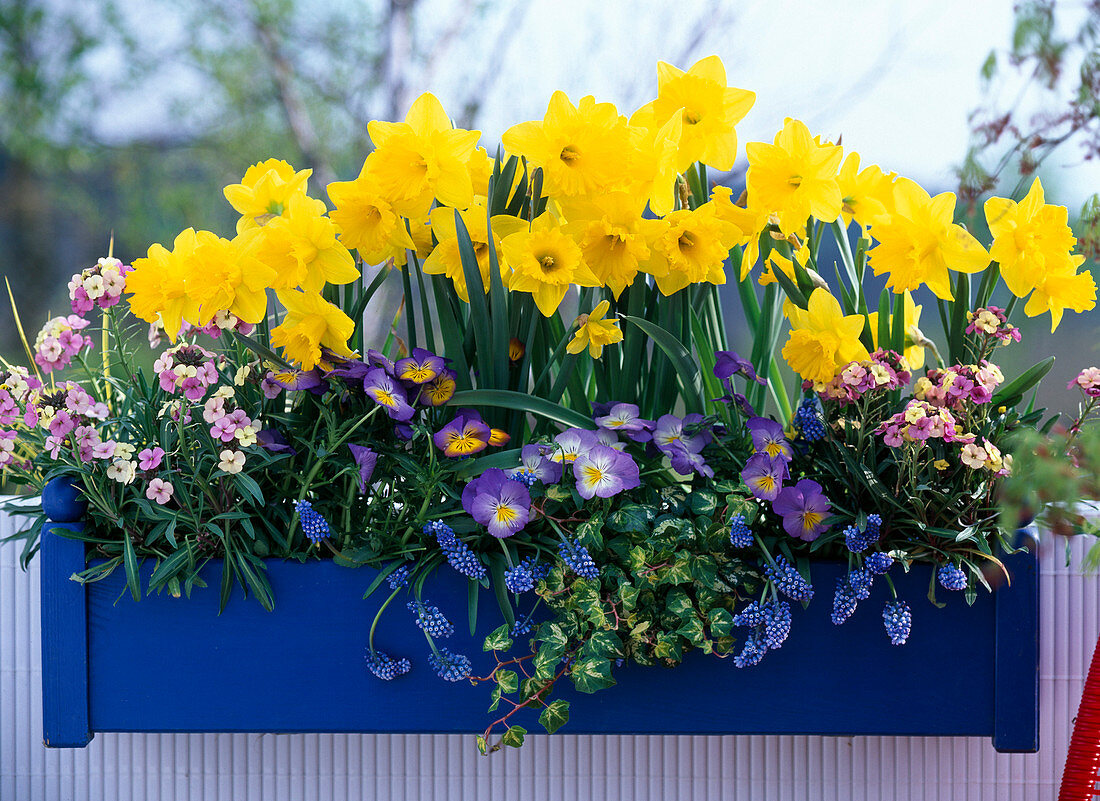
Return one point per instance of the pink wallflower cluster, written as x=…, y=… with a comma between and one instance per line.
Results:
x=231, y=426
x=69, y=414
x=920, y=421
x=16, y=386
x=885, y=370
x=187, y=368
x=7, y=446
x=992, y=322
x=953, y=386
x=59, y=340
x=1088, y=381
x=101, y=285
x=987, y=456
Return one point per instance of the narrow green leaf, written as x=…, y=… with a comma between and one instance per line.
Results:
x=169, y=567
x=479, y=310
x=498, y=301
x=508, y=399
x=450, y=330
x=790, y=289
x=687, y=369
x=133, y=581
x=473, y=592
x=883, y=332
x=1015, y=389
x=897, y=337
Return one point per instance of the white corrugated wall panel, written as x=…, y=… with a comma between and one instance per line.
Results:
x=248, y=767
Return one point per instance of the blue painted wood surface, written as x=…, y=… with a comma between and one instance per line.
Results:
x=64, y=622
x=168, y=664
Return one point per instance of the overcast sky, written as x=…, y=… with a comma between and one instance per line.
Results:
x=896, y=79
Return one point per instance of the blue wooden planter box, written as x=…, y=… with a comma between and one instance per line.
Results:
x=174, y=665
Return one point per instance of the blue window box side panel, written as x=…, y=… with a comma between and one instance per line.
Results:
x=169, y=664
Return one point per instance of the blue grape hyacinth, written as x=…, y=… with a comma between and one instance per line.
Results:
x=577, y=559
x=788, y=580
x=430, y=620
x=458, y=553
x=399, y=577
x=951, y=577
x=740, y=533
x=777, y=624
x=808, y=420
x=860, y=581
x=313, y=524
x=524, y=576
x=385, y=666
x=898, y=621
x=844, y=602
x=752, y=615
x=753, y=650
x=879, y=563
x=450, y=666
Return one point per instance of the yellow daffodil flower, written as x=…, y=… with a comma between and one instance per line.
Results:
x=265, y=190
x=1060, y=289
x=749, y=221
x=445, y=258
x=422, y=159
x=707, y=107
x=613, y=236
x=691, y=248
x=545, y=261
x=310, y=322
x=920, y=242
x=228, y=276
x=795, y=177
x=301, y=246
x=159, y=283
x=582, y=150
x=367, y=221
x=594, y=332
x=656, y=166
x=868, y=194
x=822, y=338
x=1030, y=239
x=914, y=349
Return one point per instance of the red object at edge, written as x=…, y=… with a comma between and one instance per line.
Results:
x=1083, y=759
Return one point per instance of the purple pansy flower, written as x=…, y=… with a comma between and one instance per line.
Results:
x=685, y=462
x=764, y=476
x=767, y=438
x=626, y=418
x=599, y=408
x=272, y=440
x=366, y=459
x=384, y=390
x=463, y=436
x=728, y=363
x=295, y=380
x=352, y=371
x=571, y=443
x=803, y=508
x=420, y=367
x=668, y=434
x=533, y=462
x=604, y=471
x=376, y=359
x=609, y=438
x=501, y=505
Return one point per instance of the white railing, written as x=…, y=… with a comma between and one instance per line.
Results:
x=242, y=767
